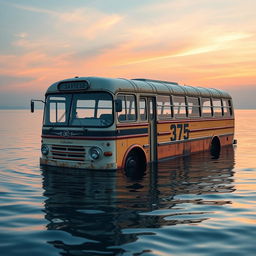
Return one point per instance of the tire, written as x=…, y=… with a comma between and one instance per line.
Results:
x=134, y=166
x=215, y=148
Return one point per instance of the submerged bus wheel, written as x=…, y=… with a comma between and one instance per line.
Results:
x=215, y=147
x=135, y=163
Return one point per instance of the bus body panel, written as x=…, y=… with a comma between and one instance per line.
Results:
x=124, y=145
x=198, y=137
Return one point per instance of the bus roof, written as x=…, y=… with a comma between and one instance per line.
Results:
x=142, y=85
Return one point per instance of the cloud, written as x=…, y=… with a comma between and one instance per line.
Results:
x=9, y=83
x=22, y=35
x=43, y=44
x=194, y=42
x=83, y=19
x=34, y=9
x=233, y=37
x=194, y=47
x=6, y=80
x=70, y=32
x=43, y=68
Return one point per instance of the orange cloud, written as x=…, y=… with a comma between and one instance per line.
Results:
x=193, y=45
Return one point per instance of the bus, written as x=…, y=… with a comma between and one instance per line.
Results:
x=107, y=123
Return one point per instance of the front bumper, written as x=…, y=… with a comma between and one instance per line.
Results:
x=90, y=165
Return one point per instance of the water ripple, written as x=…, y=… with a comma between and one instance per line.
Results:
x=187, y=206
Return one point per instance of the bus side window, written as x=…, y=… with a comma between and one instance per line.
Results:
x=217, y=109
x=143, y=109
x=193, y=107
x=163, y=108
x=131, y=111
x=206, y=107
x=179, y=106
x=128, y=108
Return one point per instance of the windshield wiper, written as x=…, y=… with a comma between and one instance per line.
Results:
x=57, y=121
x=61, y=117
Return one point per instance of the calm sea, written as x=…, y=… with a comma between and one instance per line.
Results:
x=188, y=206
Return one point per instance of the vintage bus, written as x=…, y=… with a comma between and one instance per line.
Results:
x=105, y=123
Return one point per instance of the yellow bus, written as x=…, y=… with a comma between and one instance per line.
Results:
x=106, y=123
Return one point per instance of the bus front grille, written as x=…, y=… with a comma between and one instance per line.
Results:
x=68, y=152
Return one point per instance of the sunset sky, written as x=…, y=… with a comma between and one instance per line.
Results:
x=209, y=43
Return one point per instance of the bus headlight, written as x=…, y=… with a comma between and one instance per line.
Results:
x=44, y=150
x=95, y=153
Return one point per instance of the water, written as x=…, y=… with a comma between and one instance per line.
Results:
x=188, y=206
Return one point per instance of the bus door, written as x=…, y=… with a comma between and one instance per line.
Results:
x=151, y=109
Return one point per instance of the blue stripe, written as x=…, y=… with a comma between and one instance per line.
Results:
x=89, y=133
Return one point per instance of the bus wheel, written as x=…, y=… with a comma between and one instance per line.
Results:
x=215, y=147
x=135, y=164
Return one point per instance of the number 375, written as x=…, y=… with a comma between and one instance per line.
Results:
x=179, y=132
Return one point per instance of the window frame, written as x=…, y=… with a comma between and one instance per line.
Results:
x=135, y=108
x=209, y=107
x=229, y=108
x=175, y=116
x=146, y=109
x=215, y=113
x=70, y=109
x=163, y=108
x=198, y=107
x=47, y=109
x=95, y=110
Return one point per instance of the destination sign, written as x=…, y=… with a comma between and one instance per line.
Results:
x=73, y=86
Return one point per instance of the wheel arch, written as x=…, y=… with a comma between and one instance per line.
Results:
x=137, y=148
x=215, y=145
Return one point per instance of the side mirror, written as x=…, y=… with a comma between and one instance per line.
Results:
x=32, y=106
x=118, y=105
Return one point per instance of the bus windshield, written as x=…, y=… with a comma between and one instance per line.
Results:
x=91, y=109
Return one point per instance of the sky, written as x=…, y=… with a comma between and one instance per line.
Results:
x=209, y=43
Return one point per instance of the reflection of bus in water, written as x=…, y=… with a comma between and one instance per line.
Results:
x=99, y=206
x=101, y=123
